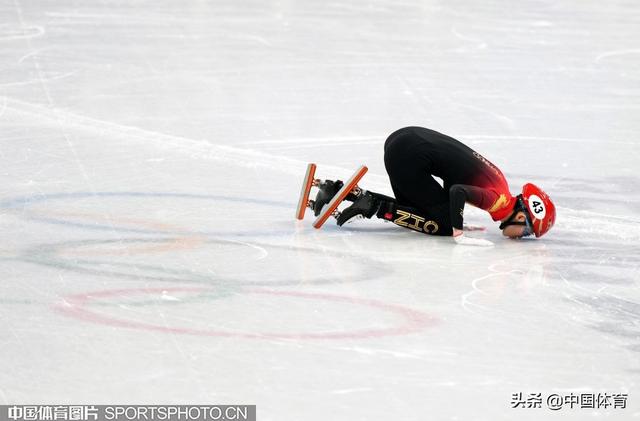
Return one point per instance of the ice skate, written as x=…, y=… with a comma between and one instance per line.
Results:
x=365, y=206
x=326, y=191
x=349, y=190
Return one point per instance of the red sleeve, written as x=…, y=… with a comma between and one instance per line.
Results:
x=459, y=194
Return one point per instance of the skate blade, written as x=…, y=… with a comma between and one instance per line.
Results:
x=303, y=200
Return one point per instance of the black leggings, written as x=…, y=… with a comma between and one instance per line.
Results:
x=416, y=192
x=409, y=169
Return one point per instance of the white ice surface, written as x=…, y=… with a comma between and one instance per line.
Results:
x=150, y=159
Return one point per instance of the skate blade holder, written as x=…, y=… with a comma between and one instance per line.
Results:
x=357, y=191
x=350, y=187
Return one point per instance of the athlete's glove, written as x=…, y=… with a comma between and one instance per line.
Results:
x=470, y=241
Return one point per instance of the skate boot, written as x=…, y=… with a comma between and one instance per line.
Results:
x=326, y=190
x=365, y=206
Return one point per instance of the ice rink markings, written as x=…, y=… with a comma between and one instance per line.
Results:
x=408, y=321
x=19, y=206
x=72, y=256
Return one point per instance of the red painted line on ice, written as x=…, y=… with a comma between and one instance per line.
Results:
x=77, y=306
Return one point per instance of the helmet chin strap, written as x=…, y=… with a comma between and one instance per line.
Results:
x=519, y=207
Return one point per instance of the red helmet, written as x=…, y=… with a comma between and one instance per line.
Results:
x=541, y=209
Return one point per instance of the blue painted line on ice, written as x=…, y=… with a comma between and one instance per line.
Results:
x=26, y=201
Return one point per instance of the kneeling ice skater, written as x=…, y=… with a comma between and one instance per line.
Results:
x=412, y=156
